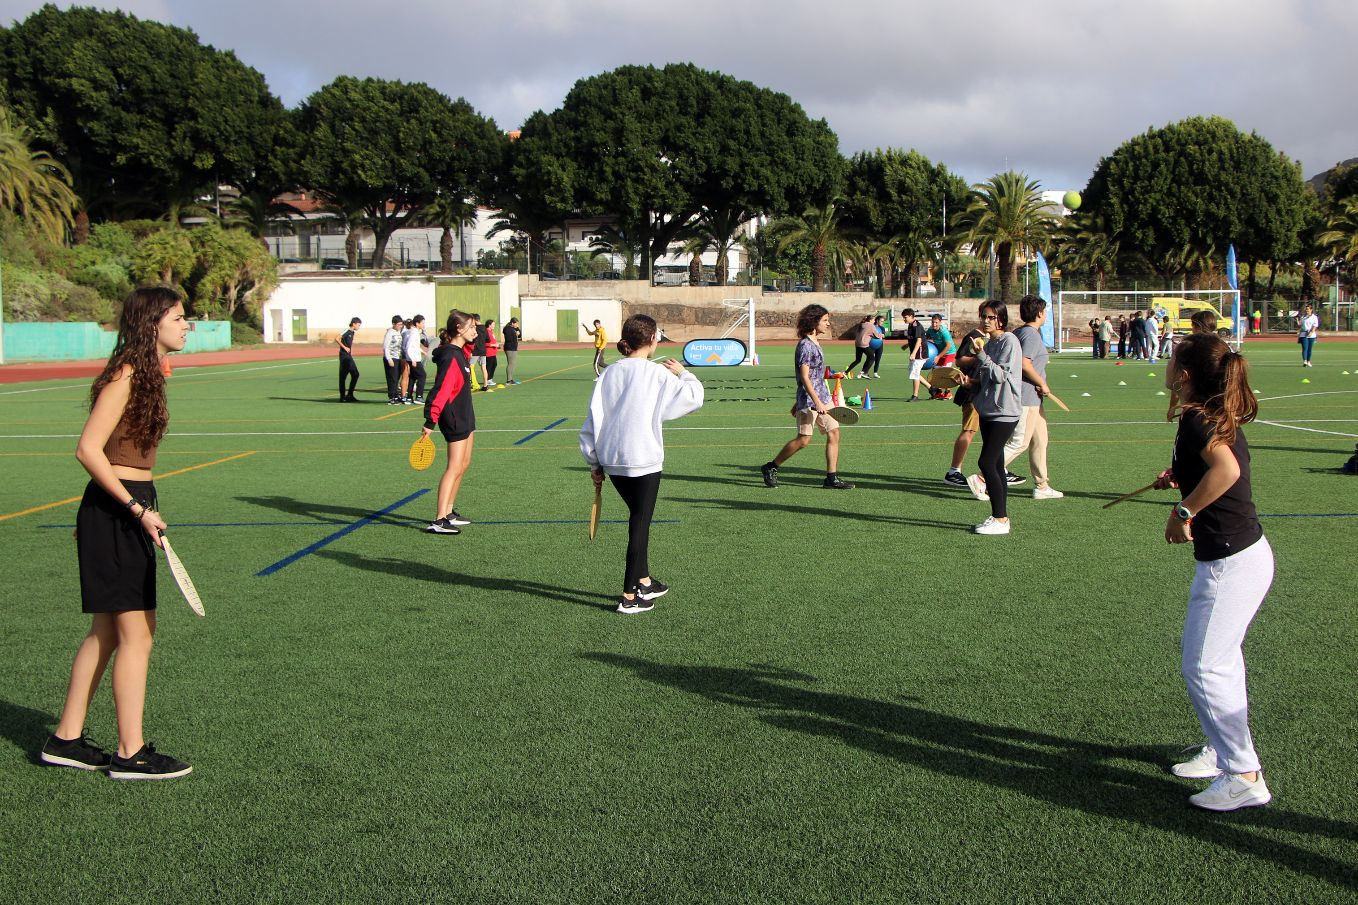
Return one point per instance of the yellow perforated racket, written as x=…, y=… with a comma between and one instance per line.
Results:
x=422, y=453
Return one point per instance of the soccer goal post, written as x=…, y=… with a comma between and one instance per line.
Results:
x=739, y=313
x=1076, y=310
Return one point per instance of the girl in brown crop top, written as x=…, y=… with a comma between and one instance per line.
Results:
x=116, y=536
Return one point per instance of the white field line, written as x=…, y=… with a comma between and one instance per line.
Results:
x=1310, y=430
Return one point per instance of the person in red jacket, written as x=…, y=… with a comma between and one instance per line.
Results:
x=492, y=351
x=449, y=408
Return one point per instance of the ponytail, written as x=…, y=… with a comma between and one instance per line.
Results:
x=638, y=332
x=1218, y=385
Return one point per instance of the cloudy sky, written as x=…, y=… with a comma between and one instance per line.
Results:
x=1042, y=86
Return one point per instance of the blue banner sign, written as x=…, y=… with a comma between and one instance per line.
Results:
x=713, y=353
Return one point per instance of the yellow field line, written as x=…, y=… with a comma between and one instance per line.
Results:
x=168, y=474
x=529, y=380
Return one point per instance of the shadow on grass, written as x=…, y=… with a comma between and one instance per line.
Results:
x=403, y=568
x=293, y=506
x=1301, y=449
x=846, y=513
x=1063, y=771
x=27, y=729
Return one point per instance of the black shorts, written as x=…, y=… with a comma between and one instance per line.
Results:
x=117, y=558
x=452, y=430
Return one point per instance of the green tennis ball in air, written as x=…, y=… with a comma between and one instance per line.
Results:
x=1071, y=200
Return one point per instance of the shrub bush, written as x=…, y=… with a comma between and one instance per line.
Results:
x=245, y=334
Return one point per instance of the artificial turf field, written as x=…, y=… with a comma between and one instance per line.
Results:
x=846, y=697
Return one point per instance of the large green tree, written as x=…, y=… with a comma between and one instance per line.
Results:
x=391, y=148
x=658, y=148
x=1006, y=213
x=145, y=116
x=1177, y=193
x=896, y=200
x=33, y=184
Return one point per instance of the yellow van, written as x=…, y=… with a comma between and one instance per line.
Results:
x=1180, y=312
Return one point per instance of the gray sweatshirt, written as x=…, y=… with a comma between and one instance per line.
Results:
x=631, y=400
x=998, y=374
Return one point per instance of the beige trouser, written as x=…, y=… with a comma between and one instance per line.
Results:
x=1032, y=428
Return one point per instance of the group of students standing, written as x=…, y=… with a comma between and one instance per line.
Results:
x=119, y=524
x=1147, y=336
x=405, y=347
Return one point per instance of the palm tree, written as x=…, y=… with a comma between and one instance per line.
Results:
x=448, y=212
x=1341, y=238
x=34, y=184
x=1006, y=213
x=615, y=240
x=1084, y=243
x=820, y=227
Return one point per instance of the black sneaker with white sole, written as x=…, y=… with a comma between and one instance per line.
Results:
x=1013, y=480
x=651, y=591
x=635, y=605
x=80, y=753
x=148, y=763
x=442, y=526
x=770, y=473
x=955, y=478
x=458, y=519
x=834, y=482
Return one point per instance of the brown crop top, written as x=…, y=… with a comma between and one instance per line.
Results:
x=120, y=449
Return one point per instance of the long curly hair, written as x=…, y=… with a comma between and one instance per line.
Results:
x=1218, y=385
x=147, y=416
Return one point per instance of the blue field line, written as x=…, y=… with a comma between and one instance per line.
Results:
x=561, y=521
x=319, y=521
x=347, y=529
x=524, y=440
x=1308, y=515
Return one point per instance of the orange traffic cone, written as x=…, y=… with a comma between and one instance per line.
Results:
x=165, y=367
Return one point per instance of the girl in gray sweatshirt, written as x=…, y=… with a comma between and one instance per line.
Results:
x=995, y=385
x=621, y=438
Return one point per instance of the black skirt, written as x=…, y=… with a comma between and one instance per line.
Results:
x=117, y=557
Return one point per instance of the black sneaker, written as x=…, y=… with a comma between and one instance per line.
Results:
x=1013, y=480
x=393, y=401
x=442, y=526
x=80, y=753
x=148, y=763
x=836, y=483
x=456, y=519
x=635, y=605
x=955, y=478
x=913, y=399
x=651, y=591
x=770, y=473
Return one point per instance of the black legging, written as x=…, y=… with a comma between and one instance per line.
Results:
x=639, y=494
x=349, y=369
x=994, y=434
x=877, y=359
x=416, y=386
x=864, y=353
x=490, y=367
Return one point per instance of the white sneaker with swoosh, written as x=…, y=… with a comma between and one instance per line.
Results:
x=1230, y=791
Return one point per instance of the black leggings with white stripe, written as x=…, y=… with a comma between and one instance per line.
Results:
x=639, y=494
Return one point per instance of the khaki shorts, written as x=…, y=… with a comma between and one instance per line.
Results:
x=970, y=420
x=809, y=418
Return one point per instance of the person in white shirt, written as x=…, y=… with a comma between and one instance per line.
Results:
x=391, y=359
x=1152, y=336
x=621, y=438
x=1308, y=330
x=414, y=343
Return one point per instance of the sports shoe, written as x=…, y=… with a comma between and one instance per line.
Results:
x=1230, y=791
x=635, y=605
x=1047, y=493
x=651, y=591
x=490, y=383
x=955, y=478
x=876, y=376
x=834, y=482
x=442, y=526
x=80, y=753
x=977, y=485
x=770, y=473
x=419, y=400
x=393, y=401
x=457, y=518
x=407, y=401
x=991, y=525
x=148, y=763
x=1203, y=765
x=913, y=399
x=1013, y=480
x=513, y=383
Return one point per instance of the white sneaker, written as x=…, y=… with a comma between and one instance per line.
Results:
x=1047, y=493
x=992, y=525
x=977, y=485
x=1230, y=791
x=1201, y=766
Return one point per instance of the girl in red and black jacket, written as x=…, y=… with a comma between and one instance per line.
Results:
x=492, y=352
x=449, y=408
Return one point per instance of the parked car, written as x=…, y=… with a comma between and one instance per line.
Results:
x=548, y=275
x=802, y=287
x=924, y=289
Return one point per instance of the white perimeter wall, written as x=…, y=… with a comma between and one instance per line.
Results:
x=539, y=317
x=330, y=303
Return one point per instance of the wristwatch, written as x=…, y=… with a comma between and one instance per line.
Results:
x=1183, y=513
